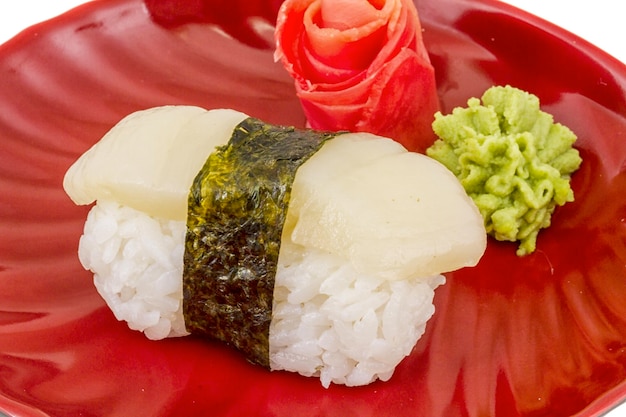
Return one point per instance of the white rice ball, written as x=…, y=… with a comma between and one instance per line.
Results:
x=328, y=320
x=137, y=264
x=344, y=327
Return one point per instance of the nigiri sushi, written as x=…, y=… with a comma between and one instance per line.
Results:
x=321, y=259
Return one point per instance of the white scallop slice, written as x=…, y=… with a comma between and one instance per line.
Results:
x=149, y=159
x=390, y=212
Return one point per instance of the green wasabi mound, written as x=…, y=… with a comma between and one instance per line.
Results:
x=512, y=160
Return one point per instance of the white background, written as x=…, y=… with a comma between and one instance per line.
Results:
x=600, y=22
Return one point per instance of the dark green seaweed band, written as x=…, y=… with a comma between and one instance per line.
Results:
x=236, y=212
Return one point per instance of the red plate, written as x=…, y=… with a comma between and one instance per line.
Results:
x=543, y=335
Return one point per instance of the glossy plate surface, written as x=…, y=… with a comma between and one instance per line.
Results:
x=543, y=335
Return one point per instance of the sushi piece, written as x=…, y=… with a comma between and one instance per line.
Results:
x=333, y=276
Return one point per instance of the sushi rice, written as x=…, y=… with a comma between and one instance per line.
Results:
x=329, y=320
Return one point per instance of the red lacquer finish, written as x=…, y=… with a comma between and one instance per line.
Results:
x=543, y=335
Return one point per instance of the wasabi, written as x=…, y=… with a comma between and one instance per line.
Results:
x=512, y=159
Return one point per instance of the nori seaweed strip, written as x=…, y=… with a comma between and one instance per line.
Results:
x=236, y=211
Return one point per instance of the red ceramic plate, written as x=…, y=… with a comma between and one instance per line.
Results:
x=543, y=335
